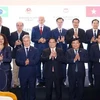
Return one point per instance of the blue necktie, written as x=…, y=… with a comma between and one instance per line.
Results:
x=76, y=68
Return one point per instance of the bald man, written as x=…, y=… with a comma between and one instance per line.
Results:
x=16, y=43
x=40, y=35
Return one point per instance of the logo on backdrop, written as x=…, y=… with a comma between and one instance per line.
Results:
x=93, y=11
x=28, y=10
x=4, y=11
x=65, y=10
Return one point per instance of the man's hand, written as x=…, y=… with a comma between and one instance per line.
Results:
x=40, y=40
x=76, y=35
x=27, y=62
x=62, y=39
x=1, y=57
x=78, y=57
x=18, y=42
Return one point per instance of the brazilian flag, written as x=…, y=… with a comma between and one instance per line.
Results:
x=4, y=11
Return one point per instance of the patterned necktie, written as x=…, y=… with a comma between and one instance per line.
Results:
x=27, y=52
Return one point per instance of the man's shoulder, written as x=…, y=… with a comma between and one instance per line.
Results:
x=5, y=27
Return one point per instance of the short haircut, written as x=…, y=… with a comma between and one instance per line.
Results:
x=75, y=19
x=19, y=22
x=75, y=39
x=53, y=39
x=25, y=36
x=59, y=18
x=95, y=20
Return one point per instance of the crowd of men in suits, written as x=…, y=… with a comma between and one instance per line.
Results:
x=54, y=49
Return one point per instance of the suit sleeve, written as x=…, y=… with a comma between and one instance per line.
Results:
x=7, y=55
x=69, y=58
x=33, y=37
x=12, y=41
x=84, y=56
x=35, y=60
x=18, y=60
x=68, y=37
x=61, y=57
x=87, y=39
x=45, y=56
x=92, y=55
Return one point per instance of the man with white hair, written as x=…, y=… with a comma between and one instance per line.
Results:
x=16, y=43
x=26, y=58
x=40, y=35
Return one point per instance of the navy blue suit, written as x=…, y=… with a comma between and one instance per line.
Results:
x=6, y=32
x=63, y=46
x=35, y=36
x=95, y=58
x=13, y=39
x=56, y=35
x=6, y=67
x=76, y=78
x=27, y=73
x=89, y=35
x=70, y=33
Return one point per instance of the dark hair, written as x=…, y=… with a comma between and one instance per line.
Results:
x=5, y=40
x=53, y=39
x=75, y=39
x=59, y=18
x=75, y=19
x=95, y=20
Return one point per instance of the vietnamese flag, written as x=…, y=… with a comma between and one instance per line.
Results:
x=93, y=11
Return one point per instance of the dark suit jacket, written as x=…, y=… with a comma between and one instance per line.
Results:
x=26, y=71
x=6, y=52
x=6, y=32
x=56, y=34
x=70, y=33
x=94, y=57
x=35, y=36
x=70, y=55
x=13, y=38
x=57, y=63
x=89, y=35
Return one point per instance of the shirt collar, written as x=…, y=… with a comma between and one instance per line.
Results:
x=26, y=47
x=94, y=30
x=41, y=26
x=53, y=49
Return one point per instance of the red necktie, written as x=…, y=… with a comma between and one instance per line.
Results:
x=41, y=30
x=53, y=59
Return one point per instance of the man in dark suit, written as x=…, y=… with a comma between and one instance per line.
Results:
x=91, y=35
x=95, y=58
x=27, y=57
x=4, y=30
x=40, y=35
x=16, y=43
x=75, y=32
x=59, y=34
x=53, y=70
x=76, y=57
